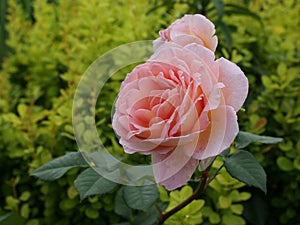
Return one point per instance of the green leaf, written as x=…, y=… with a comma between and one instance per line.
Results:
x=219, y=6
x=214, y=218
x=68, y=204
x=244, y=138
x=241, y=10
x=59, y=166
x=121, y=208
x=89, y=182
x=11, y=218
x=12, y=203
x=163, y=194
x=25, y=196
x=92, y=213
x=4, y=217
x=224, y=201
x=297, y=162
x=150, y=217
x=25, y=210
x=226, y=152
x=22, y=110
x=243, y=166
x=237, y=209
x=140, y=197
x=231, y=219
x=226, y=33
x=285, y=163
x=33, y=222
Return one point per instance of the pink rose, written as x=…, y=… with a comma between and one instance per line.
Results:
x=180, y=107
x=189, y=29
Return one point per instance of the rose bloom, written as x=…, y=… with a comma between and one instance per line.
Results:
x=180, y=107
x=189, y=29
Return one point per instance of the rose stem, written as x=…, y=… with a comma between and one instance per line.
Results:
x=199, y=190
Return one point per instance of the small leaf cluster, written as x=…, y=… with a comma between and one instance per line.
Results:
x=274, y=109
x=191, y=214
x=223, y=201
x=135, y=203
x=138, y=204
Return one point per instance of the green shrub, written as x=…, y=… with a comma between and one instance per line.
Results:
x=38, y=81
x=50, y=53
x=275, y=109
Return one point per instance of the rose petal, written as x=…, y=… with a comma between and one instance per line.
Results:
x=157, y=43
x=214, y=97
x=173, y=170
x=204, y=163
x=184, y=39
x=189, y=29
x=219, y=135
x=205, y=56
x=236, y=83
x=202, y=27
x=171, y=55
x=120, y=124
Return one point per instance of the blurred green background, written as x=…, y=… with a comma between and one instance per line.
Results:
x=45, y=47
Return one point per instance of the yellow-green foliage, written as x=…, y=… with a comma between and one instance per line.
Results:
x=276, y=108
x=47, y=58
x=228, y=208
x=220, y=204
x=191, y=214
x=38, y=81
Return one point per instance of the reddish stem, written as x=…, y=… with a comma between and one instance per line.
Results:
x=199, y=190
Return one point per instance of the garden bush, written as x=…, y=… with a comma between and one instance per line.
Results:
x=52, y=47
x=38, y=81
x=275, y=110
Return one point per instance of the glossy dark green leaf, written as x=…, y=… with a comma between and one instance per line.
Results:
x=244, y=138
x=121, y=208
x=59, y=166
x=243, y=166
x=89, y=182
x=140, y=197
x=150, y=217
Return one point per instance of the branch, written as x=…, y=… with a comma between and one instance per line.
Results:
x=199, y=190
